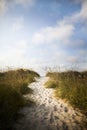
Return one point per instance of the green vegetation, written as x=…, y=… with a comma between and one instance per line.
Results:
x=51, y=83
x=13, y=84
x=70, y=86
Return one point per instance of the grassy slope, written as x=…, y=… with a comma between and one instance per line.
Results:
x=13, y=84
x=71, y=86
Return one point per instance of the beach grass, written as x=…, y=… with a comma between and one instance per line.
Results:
x=70, y=86
x=13, y=85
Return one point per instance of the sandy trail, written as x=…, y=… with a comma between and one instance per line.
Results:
x=48, y=113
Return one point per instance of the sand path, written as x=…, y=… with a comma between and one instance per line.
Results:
x=48, y=113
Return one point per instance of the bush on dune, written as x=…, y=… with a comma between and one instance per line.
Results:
x=51, y=84
x=71, y=86
x=10, y=102
x=18, y=79
x=13, y=84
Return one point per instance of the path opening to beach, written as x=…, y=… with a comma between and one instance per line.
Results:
x=48, y=113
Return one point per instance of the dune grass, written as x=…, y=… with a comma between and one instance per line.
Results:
x=51, y=83
x=70, y=86
x=13, y=85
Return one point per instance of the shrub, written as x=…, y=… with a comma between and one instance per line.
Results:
x=13, y=84
x=24, y=89
x=10, y=102
x=51, y=84
x=71, y=86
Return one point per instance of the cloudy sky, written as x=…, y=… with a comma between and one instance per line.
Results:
x=39, y=33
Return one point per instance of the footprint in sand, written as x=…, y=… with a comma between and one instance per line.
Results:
x=48, y=113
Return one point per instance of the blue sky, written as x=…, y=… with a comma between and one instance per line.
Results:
x=43, y=33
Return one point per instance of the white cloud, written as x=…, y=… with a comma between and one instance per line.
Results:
x=13, y=54
x=63, y=32
x=60, y=32
x=38, y=38
x=64, y=29
x=7, y=4
x=83, y=17
x=83, y=13
x=3, y=6
x=77, y=17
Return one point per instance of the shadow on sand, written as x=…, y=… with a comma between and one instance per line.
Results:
x=45, y=118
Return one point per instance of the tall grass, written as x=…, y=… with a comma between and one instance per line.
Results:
x=13, y=85
x=71, y=86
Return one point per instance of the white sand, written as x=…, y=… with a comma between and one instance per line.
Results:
x=48, y=113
